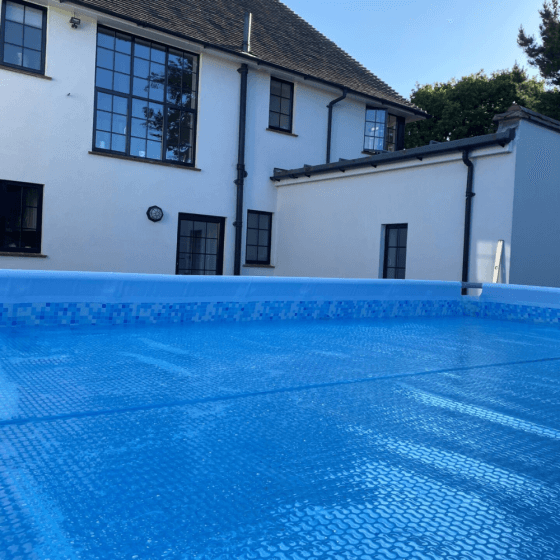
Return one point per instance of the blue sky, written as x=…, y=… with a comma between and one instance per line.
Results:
x=409, y=41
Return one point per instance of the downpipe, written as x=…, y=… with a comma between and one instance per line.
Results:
x=241, y=173
x=329, y=124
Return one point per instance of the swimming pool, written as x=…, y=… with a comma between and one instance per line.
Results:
x=406, y=428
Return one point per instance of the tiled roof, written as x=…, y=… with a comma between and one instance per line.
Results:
x=518, y=112
x=279, y=37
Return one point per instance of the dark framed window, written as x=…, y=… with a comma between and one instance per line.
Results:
x=200, y=245
x=21, y=211
x=281, y=105
x=145, y=99
x=23, y=36
x=394, y=263
x=383, y=132
x=259, y=228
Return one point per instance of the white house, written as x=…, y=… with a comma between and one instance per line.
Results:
x=197, y=138
x=404, y=214
x=109, y=109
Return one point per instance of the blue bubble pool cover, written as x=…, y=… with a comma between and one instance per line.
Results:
x=371, y=439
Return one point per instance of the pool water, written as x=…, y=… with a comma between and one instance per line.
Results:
x=364, y=439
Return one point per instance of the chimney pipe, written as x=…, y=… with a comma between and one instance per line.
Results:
x=247, y=32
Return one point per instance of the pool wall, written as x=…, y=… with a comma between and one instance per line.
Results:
x=32, y=298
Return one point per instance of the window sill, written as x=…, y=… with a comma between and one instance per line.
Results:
x=258, y=266
x=282, y=132
x=24, y=71
x=32, y=255
x=142, y=160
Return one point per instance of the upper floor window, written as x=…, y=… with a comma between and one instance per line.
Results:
x=383, y=132
x=20, y=217
x=145, y=99
x=23, y=36
x=281, y=105
x=259, y=226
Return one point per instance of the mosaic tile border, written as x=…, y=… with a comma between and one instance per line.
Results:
x=512, y=312
x=58, y=314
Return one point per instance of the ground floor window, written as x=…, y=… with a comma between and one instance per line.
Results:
x=200, y=245
x=258, y=237
x=394, y=264
x=21, y=208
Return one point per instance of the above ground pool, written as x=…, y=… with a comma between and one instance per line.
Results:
x=241, y=418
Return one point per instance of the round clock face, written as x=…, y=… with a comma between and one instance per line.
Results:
x=155, y=213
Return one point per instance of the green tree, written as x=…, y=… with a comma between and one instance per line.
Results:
x=465, y=108
x=545, y=56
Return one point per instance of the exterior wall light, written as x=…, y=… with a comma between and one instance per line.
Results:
x=75, y=22
x=154, y=213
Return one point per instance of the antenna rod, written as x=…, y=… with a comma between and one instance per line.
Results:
x=247, y=32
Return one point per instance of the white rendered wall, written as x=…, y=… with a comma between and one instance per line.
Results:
x=94, y=207
x=333, y=225
x=535, y=259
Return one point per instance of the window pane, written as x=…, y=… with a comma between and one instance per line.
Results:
x=185, y=244
x=275, y=103
x=140, y=109
x=378, y=143
x=188, y=100
x=264, y=220
x=121, y=83
x=286, y=107
x=142, y=49
x=139, y=128
x=274, y=120
x=287, y=91
x=33, y=38
x=103, y=121
x=393, y=233
x=104, y=102
x=263, y=238
x=13, y=54
x=120, y=105
x=186, y=130
x=29, y=219
x=102, y=140
x=381, y=116
x=14, y=12
x=156, y=89
x=252, y=236
x=140, y=87
x=251, y=253
x=400, y=273
x=391, y=257
x=122, y=63
x=200, y=229
x=186, y=227
x=31, y=59
x=212, y=245
x=106, y=38
x=263, y=254
x=141, y=68
x=368, y=143
x=285, y=122
x=390, y=273
x=158, y=54
x=33, y=17
x=104, y=78
x=189, y=81
x=401, y=257
x=13, y=33
x=212, y=230
x=402, y=236
x=252, y=220
x=118, y=143
x=119, y=124
x=154, y=150
x=275, y=87
x=123, y=43
x=105, y=58
x=210, y=263
x=137, y=147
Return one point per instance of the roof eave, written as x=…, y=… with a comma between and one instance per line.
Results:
x=501, y=138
